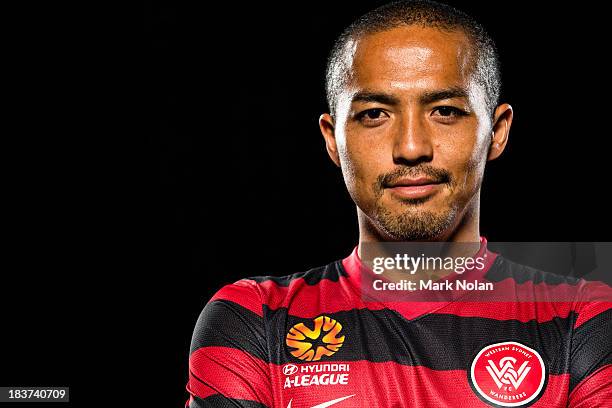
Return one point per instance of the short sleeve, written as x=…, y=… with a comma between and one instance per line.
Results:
x=591, y=350
x=228, y=361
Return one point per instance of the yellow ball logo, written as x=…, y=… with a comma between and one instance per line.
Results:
x=312, y=344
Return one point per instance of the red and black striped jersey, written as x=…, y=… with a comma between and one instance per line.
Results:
x=312, y=340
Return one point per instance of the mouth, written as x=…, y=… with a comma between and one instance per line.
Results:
x=415, y=188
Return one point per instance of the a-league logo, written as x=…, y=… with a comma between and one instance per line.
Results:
x=508, y=374
x=311, y=344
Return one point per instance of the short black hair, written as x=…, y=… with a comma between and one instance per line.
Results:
x=424, y=13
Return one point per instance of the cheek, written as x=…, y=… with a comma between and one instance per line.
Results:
x=474, y=170
x=353, y=164
x=466, y=159
x=360, y=162
x=477, y=160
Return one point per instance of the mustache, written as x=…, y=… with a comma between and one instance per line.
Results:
x=437, y=174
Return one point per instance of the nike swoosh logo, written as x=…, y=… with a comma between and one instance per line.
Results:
x=326, y=404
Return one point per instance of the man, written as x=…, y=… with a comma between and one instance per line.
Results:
x=413, y=92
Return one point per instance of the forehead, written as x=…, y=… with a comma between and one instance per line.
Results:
x=411, y=57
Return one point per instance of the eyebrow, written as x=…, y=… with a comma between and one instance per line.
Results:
x=450, y=93
x=426, y=98
x=380, y=97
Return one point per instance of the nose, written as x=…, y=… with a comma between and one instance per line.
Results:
x=412, y=143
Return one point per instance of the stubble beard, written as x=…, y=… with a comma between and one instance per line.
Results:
x=413, y=223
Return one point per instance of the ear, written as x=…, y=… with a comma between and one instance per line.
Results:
x=326, y=124
x=502, y=120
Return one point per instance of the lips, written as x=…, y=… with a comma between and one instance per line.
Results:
x=409, y=182
x=414, y=188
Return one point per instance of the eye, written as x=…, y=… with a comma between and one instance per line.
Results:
x=449, y=112
x=373, y=113
x=371, y=117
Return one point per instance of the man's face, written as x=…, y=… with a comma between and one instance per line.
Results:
x=412, y=131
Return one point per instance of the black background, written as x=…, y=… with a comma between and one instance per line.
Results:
x=228, y=177
x=240, y=181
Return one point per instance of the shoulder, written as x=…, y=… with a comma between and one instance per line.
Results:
x=504, y=268
x=588, y=299
x=331, y=271
x=251, y=292
x=241, y=304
